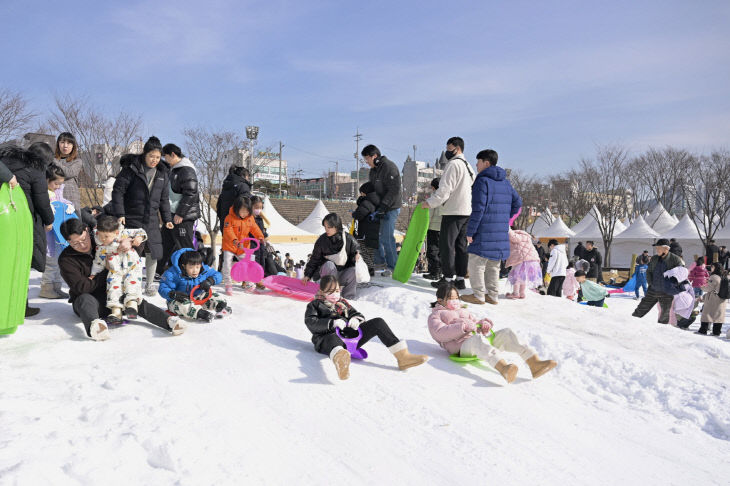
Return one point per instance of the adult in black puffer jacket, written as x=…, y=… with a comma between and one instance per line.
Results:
x=234, y=185
x=29, y=168
x=368, y=229
x=140, y=196
x=328, y=257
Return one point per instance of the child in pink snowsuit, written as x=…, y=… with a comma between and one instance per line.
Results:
x=698, y=276
x=525, y=262
x=458, y=332
x=571, y=286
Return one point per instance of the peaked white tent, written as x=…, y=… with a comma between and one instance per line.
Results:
x=313, y=222
x=633, y=240
x=541, y=223
x=618, y=228
x=590, y=217
x=654, y=215
x=688, y=237
x=663, y=223
x=722, y=236
x=282, y=231
x=556, y=230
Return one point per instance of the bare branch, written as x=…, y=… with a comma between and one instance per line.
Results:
x=15, y=115
x=708, y=196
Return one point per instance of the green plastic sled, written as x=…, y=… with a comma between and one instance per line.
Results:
x=16, y=247
x=467, y=359
x=411, y=246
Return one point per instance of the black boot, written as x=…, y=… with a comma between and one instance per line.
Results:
x=31, y=311
x=716, y=328
x=703, y=328
x=204, y=315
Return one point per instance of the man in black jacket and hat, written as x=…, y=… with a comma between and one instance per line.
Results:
x=662, y=261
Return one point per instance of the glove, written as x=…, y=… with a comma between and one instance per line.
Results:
x=486, y=325
x=178, y=296
x=70, y=209
x=355, y=322
x=374, y=216
x=469, y=326
x=339, y=324
x=206, y=284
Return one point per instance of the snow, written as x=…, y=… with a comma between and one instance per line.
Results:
x=246, y=400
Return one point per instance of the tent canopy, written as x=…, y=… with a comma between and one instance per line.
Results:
x=313, y=222
x=282, y=231
x=556, y=230
x=638, y=230
x=684, y=230
x=663, y=223
x=591, y=217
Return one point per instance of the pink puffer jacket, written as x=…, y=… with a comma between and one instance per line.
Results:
x=521, y=248
x=698, y=276
x=570, y=284
x=448, y=327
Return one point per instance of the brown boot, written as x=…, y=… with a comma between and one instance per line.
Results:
x=342, y=364
x=405, y=359
x=538, y=367
x=508, y=371
x=472, y=299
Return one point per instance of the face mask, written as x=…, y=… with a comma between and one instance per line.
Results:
x=256, y=212
x=453, y=304
x=449, y=154
x=333, y=297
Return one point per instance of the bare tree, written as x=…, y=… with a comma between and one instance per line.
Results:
x=568, y=198
x=708, y=196
x=636, y=182
x=529, y=189
x=15, y=115
x=604, y=180
x=102, y=140
x=665, y=173
x=212, y=153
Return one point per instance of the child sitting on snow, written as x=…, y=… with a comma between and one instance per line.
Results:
x=593, y=293
x=328, y=312
x=525, y=262
x=125, y=267
x=458, y=332
x=368, y=226
x=186, y=272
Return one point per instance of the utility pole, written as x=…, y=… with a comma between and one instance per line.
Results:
x=280, y=147
x=358, y=137
x=414, y=153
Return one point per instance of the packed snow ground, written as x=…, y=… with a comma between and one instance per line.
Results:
x=246, y=400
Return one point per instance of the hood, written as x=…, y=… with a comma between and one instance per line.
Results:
x=233, y=180
x=175, y=259
x=231, y=212
x=184, y=162
x=680, y=273
x=560, y=248
x=17, y=158
x=494, y=172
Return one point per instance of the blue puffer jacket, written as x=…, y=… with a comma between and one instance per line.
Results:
x=493, y=203
x=175, y=279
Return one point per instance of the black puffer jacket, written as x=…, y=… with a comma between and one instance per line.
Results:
x=329, y=245
x=368, y=231
x=595, y=258
x=233, y=186
x=29, y=170
x=385, y=176
x=320, y=315
x=184, y=190
x=140, y=205
x=676, y=248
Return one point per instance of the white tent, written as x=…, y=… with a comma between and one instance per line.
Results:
x=556, y=230
x=541, y=223
x=282, y=231
x=654, y=215
x=722, y=235
x=675, y=218
x=688, y=237
x=589, y=218
x=663, y=223
x=313, y=222
x=618, y=228
x=635, y=239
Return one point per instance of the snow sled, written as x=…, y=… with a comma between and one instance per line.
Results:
x=351, y=344
x=291, y=287
x=245, y=269
x=583, y=302
x=59, y=218
x=457, y=358
x=411, y=246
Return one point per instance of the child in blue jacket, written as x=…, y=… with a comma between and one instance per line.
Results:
x=187, y=271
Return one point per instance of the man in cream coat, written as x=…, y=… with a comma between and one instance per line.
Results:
x=454, y=194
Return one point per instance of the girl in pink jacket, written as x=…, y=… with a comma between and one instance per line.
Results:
x=525, y=262
x=458, y=332
x=698, y=276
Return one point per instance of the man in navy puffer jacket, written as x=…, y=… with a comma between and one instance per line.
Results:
x=493, y=202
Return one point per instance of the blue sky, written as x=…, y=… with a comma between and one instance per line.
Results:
x=540, y=82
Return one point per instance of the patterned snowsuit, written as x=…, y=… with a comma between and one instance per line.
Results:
x=125, y=269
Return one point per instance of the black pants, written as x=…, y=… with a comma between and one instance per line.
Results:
x=596, y=303
x=374, y=327
x=452, y=246
x=556, y=286
x=181, y=236
x=432, y=252
x=266, y=260
x=650, y=299
x=88, y=308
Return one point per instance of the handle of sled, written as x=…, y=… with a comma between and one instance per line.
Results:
x=258, y=244
x=201, y=301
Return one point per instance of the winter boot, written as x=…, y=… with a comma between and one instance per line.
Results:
x=226, y=311
x=716, y=329
x=58, y=287
x=178, y=326
x=48, y=292
x=204, y=315
x=115, y=317
x=703, y=328
x=508, y=371
x=31, y=311
x=539, y=367
x=472, y=299
x=130, y=309
x=99, y=330
x=341, y=359
x=229, y=290
x=405, y=359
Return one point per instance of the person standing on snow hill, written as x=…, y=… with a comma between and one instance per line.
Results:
x=556, y=268
x=184, y=203
x=368, y=227
x=328, y=312
x=187, y=272
x=713, y=311
x=579, y=250
x=698, y=276
x=240, y=224
x=454, y=194
x=51, y=281
x=594, y=257
x=432, y=238
x=493, y=202
x=88, y=296
x=459, y=332
x=642, y=264
x=662, y=261
x=571, y=286
x=525, y=262
x=235, y=185
x=68, y=158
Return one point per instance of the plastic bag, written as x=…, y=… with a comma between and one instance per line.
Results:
x=362, y=275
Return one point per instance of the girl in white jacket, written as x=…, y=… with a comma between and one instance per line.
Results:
x=556, y=268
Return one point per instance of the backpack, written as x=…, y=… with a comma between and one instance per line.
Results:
x=723, y=292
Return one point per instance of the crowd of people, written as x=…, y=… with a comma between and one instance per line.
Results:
x=146, y=231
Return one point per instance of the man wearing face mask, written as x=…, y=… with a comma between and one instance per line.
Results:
x=662, y=261
x=454, y=194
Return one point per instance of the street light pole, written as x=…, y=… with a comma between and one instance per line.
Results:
x=358, y=137
x=252, y=133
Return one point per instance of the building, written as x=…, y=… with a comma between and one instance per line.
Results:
x=314, y=186
x=416, y=178
x=265, y=165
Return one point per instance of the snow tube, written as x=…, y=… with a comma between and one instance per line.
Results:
x=59, y=218
x=412, y=243
x=291, y=287
x=16, y=247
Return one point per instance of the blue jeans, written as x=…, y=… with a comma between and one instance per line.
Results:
x=698, y=291
x=640, y=282
x=386, y=248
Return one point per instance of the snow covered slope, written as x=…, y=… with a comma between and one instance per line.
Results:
x=246, y=400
